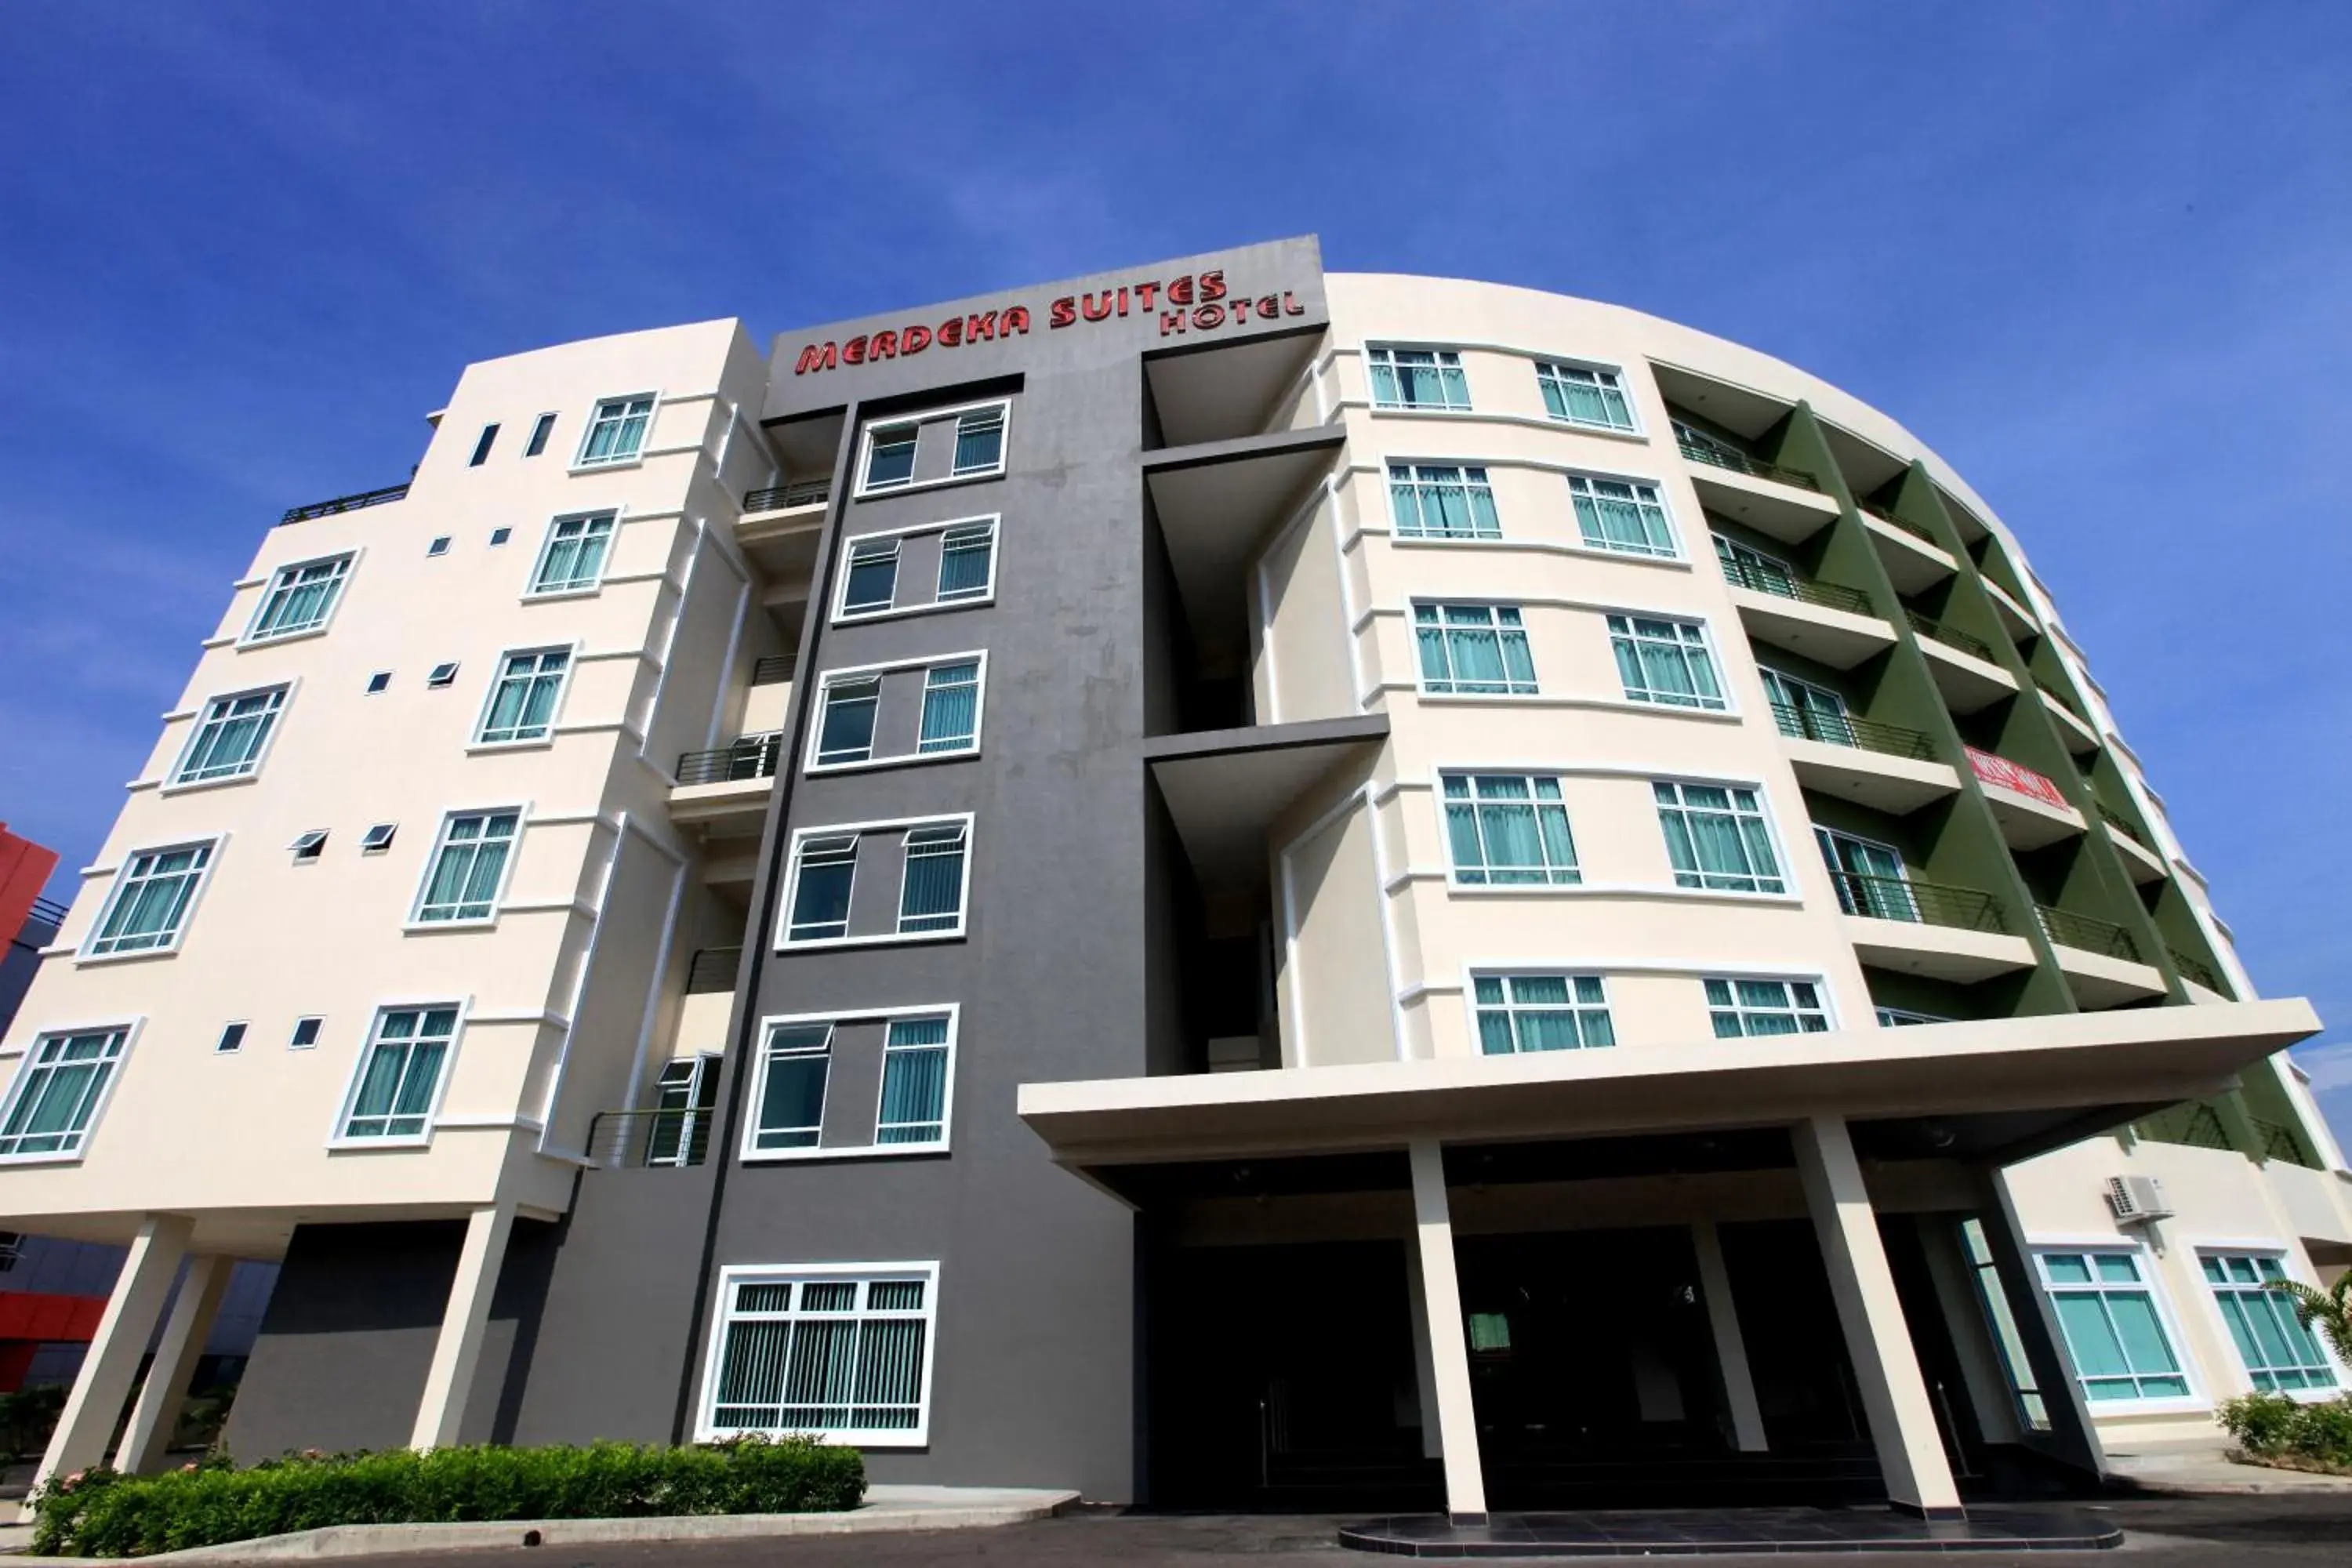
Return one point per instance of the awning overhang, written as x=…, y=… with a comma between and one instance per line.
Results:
x=1226, y=788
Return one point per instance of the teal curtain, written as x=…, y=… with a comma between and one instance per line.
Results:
x=980, y=441
x=950, y=708
x=965, y=563
x=932, y=896
x=914, y=1082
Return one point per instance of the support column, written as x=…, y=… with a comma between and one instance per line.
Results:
x=1449, y=1347
x=2072, y=1435
x=442, y=1411
x=165, y=1389
x=1424, y=1369
x=1893, y=1394
x=104, y=1381
x=1731, y=1346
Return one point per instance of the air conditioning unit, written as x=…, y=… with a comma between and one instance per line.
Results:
x=2135, y=1200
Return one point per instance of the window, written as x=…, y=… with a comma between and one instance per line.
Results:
x=1902, y=1018
x=379, y=682
x=468, y=865
x=539, y=434
x=950, y=708
x=1474, y=650
x=401, y=1072
x=230, y=737
x=522, y=699
x=980, y=442
x=305, y=1035
x=1740, y=1007
x=2280, y=1351
x=231, y=1038
x=914, y=1083
x=1804, y=711
x=2115, y=1335
x=616, y=432
x=1432, y=502
x=793, y=1066
x=572, y=559
x=1718, y=839
x=2004, y=1320
x=1509, y=829
x=441, y=674
x=1417, y=378
x=1584, y=396
x=499, y=536
x=482, y=447
x=840, y=1352
x=1540, y=1012
x=378, y=837
x=1868, y=877
x=1664, y=662
x=931, y=897
x=967, y=561
x=300, y=599
x=822, y=879
x=1743, y=567
x=846, y=734
x=1621, y=515
x=57, y=1090
x=308, y=846
x=873, y=580
x=149, y=903
x=440, y=545
x=890, y=456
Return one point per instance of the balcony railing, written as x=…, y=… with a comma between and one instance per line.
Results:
x=1950, y=636
x=2061, y=699
x=49, y=912
x=2204, y=1129
x=780, y=498
x=1885, y=515
x=753, y=757
x=2279, y=1142
x=1701, y=448
x=712, y=969
x=1844, y=730
x=2196, y=969
x=1804, y=590
x=774, y=670
x=2122, y=826
x=657, y=1137
x=344, y=503
x=2087, y=933
x=1921, y=903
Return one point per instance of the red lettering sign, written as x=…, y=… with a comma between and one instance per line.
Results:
x=2002, y=774
x=1196, y=302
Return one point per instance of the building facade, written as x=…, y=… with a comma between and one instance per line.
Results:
x=1218, y=883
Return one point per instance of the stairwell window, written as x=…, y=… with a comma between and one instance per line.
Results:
x=539, y=434
x=572, y=559
x=1518, y=1013
x=1718, y=839
x=1441, y=501
x=2115, y=1332
x=523, y=699
x=2281, y=1353
x=1474, y=650
x=793, y=1066
x=838, y=1350
x=1421, y=379
x=617, y=431
x=468, y=869
x=950, y=708
x=1582, y=396
x=58, y=1093
x=148, y=910
x=1624, y=516
x=1745, y=1007
x=1665, y=662
x=482, y=447
x=231, y=736
x=400, y=1073
x=300, y=599
x=1508, y=830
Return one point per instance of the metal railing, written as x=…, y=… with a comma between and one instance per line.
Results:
x=2204, y=1130
x=1920, y=903
x=712, y=969
x=780, y=498
x=2197, y=970
x=1844, y=730
x=1701, y=448
x=2108, y=815
x=48, y=911
x=1950, y=636
x=1804, y=590
x=775, y=669
x=344, y=503
x=2279, y=1142
x=657, y=1137
x=1887, y=515
x=2087, y=933
x=2061, y=699
x=751, y=757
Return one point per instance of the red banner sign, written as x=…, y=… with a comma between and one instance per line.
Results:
x=2009, y=776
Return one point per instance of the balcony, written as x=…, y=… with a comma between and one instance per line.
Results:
x=727, y=787
x=1771, y=499
x=2199, y=975
x=2100, y=960
x=343, y=504
x=2013, y=613
x=2072, y=728
x=2031, y=809
x=789, y=498
x=1834, y=625
x=2140, y=857
x=1963, y=666
x=1913, y=559
x=1961, y=934
x=1883, y=767
x=627, y=1140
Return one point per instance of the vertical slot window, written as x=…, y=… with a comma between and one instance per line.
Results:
x=931, y=897
x=951, y=709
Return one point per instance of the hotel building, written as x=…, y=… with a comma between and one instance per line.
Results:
x=1217, y=884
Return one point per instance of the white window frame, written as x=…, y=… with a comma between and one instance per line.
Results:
x=848, y=674
x=416, y=921
x=570, y=652
x=532, y=593
x=177, y=781
x=1463, y=467
x=1557, y=363
x=212, y=845
x=858, y=830
x=1826, y=998
x=1505, y=974
x=1674, y=550
x=861, y=490
x=28, y=1062
x=582, y=463
x=1728, y=700
x=255, y=637
x=337, y=1138
x=1551, y=881
x=708, y=1430
x=1439, y=352
x=2152, y=1281
x=1782, y=866
x=843, y=615
x=542, y=425
x=1494, y=608
x=1905, y=1017
x=2285, y=1257
x=751, y=1154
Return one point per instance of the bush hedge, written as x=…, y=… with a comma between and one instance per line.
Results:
x=2273, y=1426
x=102, y=1513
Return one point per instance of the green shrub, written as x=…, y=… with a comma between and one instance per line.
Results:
x=2273, y=1426
x=101, y=1513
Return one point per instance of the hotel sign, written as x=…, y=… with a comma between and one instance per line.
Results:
x=1193, y=303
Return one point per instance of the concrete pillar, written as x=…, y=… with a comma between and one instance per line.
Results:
x=165, y=1389
x=458, y=1350
x=104, y=1382
x=1893, y=1394
x=2071, y=1436
x=1425, y=1368
x=1449, y=1346
x=1731, y=1346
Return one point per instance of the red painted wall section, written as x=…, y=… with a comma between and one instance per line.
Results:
x=25, y=869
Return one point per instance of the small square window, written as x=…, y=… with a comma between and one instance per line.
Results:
x=378, y=681
x=378, y=838
x=306, y=1034
x=308, y=847
x=482, y=447
x=539, y=434
x=443, y=674
x=231, y=1038
x=440, y=546
x=499, y=536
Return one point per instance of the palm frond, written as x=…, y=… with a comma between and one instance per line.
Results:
x=2328, y=1310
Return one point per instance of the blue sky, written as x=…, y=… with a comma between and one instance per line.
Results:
x=2095, y=254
